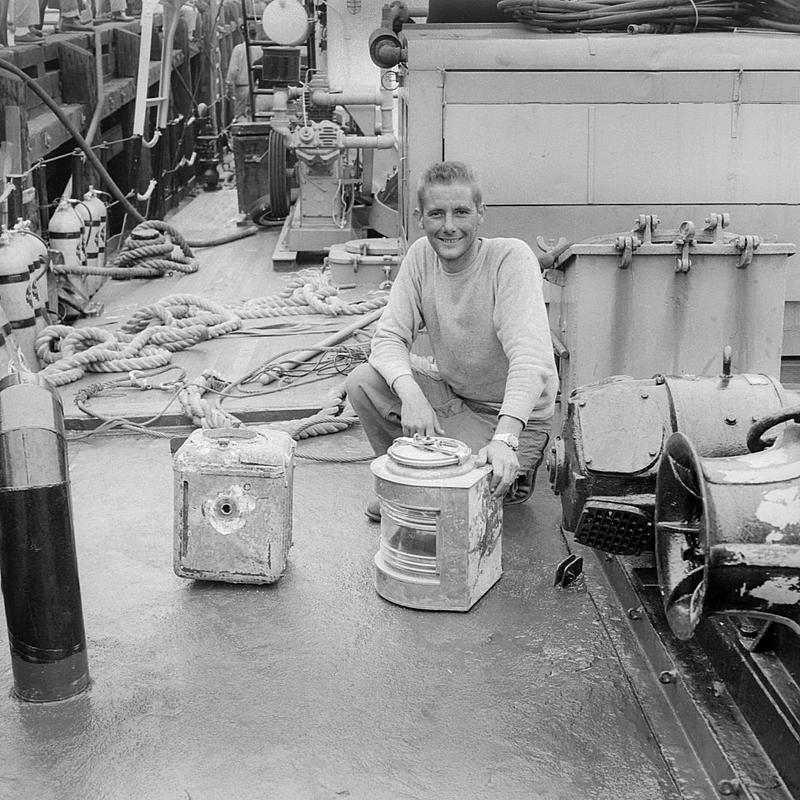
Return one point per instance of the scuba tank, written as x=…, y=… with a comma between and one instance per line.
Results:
x=92, y=211
x=39, y=266
x=16, y=295
x=65, y=234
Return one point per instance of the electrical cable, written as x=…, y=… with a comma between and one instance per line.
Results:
x=610, y=15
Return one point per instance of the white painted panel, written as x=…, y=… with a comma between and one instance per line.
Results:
x=524, y=153
x=561, y=86
x=696, y=153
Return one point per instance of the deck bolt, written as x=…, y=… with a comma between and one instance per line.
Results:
x=581, y=402
x=729, y=787
x=634, y=613
x=730, y=420
x=667, y=676
x=588, y=460
x=653, y=452
x=644, y=395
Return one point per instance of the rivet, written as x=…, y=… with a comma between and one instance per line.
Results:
x=653, y=452
x=581, y=402
x=729, y=787
x=588, y=460
x=730, y=420
x=634, y=613
x=644, y=395
x=667, y=676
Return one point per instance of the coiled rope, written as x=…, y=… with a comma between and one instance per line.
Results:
x=309, y=292
x=152, y=249
x=71, y=352
x=174, y=323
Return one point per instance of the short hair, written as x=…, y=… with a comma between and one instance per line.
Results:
x=445, y=173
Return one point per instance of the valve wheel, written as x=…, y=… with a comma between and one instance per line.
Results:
x=755, y=436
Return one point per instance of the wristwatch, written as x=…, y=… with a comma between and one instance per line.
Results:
x=507, y=438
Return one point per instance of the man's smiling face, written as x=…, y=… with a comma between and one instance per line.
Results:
x=450, y=218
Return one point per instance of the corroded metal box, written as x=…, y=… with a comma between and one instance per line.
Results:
x=233, y=505
x=667, y=301
x=441, y=530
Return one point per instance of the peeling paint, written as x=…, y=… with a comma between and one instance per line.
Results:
x=780, y=590
x=780, y=507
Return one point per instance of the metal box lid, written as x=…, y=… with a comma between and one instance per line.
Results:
x=646, y=238
x=236, y=449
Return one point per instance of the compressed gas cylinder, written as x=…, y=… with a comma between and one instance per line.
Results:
x=67, y=236
x=40, y=268
x=441, y=529
x=92, y=211
x=9, y=352
x=16, y=294
x=233, y=505
x=38, y=563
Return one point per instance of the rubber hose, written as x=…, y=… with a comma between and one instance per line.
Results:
x=97, y=164
x=76, y=134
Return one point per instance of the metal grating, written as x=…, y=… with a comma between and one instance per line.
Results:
x=615, y=528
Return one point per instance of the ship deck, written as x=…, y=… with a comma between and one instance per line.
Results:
x=314, y=687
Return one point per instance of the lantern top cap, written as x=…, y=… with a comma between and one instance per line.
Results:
x=429, y=452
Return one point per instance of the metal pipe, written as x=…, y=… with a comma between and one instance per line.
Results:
x=329, y=341
x=38, y=563
x=319, y=97
x=384, y=141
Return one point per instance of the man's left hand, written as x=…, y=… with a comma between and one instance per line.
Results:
x=505, y=465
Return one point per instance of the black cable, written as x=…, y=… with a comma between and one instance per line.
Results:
x=75, y=133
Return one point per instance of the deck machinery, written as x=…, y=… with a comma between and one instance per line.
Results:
x=670, y=360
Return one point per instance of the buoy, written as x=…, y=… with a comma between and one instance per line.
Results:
x=16, y=294
x=93, y=213
x=66, y=235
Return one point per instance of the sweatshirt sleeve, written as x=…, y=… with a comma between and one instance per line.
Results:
x=401, y=319
x=523, y=329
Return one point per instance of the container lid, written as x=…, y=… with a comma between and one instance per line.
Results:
x=373, y=247
x=429, y=452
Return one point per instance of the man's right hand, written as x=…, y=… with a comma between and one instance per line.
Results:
x=416, y=414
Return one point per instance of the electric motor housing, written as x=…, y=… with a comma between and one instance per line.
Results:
x=605, y=461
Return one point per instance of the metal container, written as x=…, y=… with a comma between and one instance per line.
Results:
x=233, y=505
x=441, y=531
x=370, y=262
x=251, y=155
x=651, y=301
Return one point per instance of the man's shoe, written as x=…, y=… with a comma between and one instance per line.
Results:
x=70, y=24
x=373, y=510
x=36, y=32
x=521, y=489
x=28, y=38
x=121, y=16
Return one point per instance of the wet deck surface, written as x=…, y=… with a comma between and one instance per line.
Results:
x=315, y=687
